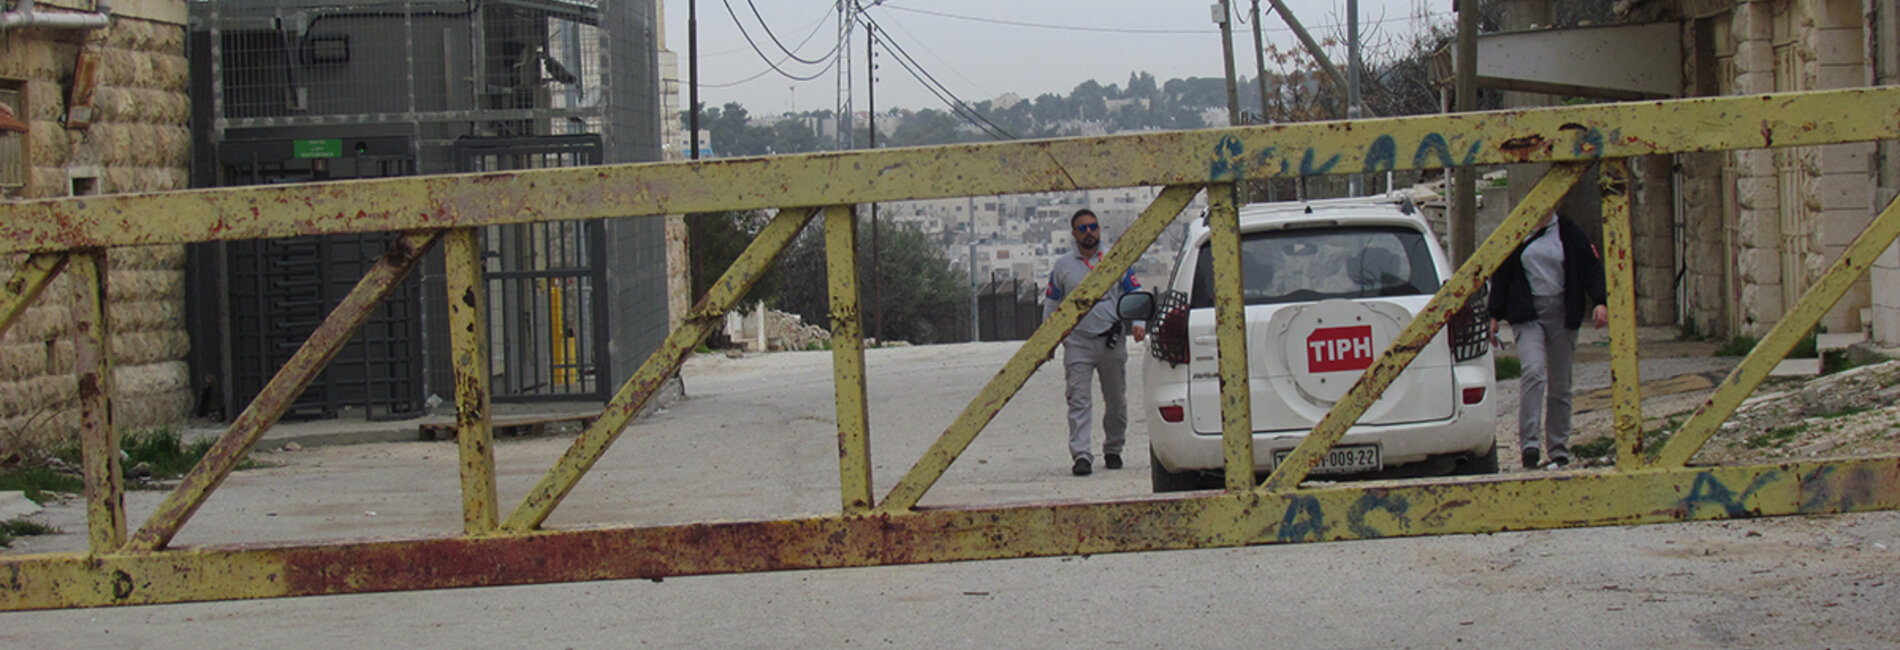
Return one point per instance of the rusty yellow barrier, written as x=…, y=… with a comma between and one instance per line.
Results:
x=1647, y=486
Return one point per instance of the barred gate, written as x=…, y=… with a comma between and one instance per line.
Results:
x=547, y=312
x=1647, y=485
x=1008, y=310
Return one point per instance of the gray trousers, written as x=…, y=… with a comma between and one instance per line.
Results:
x=1547, y=350
x=1082, y=356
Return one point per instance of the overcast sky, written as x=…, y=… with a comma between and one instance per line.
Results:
x=979, y=49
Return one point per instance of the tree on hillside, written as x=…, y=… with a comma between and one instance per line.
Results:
x=1090, y=100
x=925, y=127
x=794, y=136
x=717, y=239
x=1050, y=108
x=926, y=300
x=1141, y=85
x=1196, y=91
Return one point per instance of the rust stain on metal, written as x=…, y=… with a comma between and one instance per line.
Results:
x=1523, y=147
x=956, y=533
x=901, y=532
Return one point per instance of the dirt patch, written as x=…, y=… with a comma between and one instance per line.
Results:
x=1851, y=413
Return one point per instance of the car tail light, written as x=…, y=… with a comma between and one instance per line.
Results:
x=1474, y=395
x=1173, y=413
x=1168, y=332
x=1469, y=329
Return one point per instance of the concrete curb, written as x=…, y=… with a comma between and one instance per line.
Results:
x=357, y=430
x=14, y=505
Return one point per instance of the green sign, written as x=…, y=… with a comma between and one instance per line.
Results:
x=318, y=148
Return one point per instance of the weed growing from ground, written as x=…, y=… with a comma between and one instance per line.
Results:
x=1775, y=438
x=1507, y=367
x=23, y=528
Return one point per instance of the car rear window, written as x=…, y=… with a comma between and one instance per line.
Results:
x=1308, y=264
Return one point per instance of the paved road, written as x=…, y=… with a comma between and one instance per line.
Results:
x=754, y=438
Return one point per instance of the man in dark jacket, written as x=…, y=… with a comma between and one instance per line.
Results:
x=1544, y=290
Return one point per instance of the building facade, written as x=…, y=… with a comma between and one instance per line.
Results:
x=97, y=96
x=1726, y=242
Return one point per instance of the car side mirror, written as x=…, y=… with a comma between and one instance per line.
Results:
x=1139, y=305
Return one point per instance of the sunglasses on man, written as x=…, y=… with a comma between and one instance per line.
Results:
x=1088, y=227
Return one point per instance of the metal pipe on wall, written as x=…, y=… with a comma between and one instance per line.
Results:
x=25, y=15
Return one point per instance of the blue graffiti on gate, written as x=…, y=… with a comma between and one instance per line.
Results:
x=1226, y=153
x=1305, y=519
x=1376, y=500
x=1231, y=158
x=1710, y=491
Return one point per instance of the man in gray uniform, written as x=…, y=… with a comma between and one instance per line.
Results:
x=1093, y=347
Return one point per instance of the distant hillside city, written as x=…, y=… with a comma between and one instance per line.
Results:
x=1016, y=237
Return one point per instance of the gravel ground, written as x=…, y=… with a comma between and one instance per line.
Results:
x=1856, y=412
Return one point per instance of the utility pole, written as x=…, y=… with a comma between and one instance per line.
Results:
x=1312, y=46
x=695, y=268
x=976, y=314
x=845, y=20
x=1464, y=213
x=1224, y=16
x=1353, y=181
x=1260, y=61
x=877, y=261
x=1260, y=76
x=692, y=71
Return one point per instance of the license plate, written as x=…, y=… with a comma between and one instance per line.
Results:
x=1343, y=459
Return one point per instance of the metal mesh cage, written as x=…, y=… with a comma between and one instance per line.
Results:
x=314, y=90
x=1169, y=340
x=1469, y=328
x=437, y=71
x=12, y=144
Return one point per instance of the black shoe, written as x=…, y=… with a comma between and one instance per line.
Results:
x=1082, y=467
x=1112, y=461
x=1561, y=461
x=1530, y=458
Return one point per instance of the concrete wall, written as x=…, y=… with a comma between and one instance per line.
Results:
x=137, y=142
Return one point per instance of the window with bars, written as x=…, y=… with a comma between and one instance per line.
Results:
x=12, y=136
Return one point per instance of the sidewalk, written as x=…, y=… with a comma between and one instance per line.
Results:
x=352, y=427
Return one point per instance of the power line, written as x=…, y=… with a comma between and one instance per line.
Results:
x=957, y=105
x=1155, y=32
x=768, y=60
x=1073, y=28
x=781, y=46
x=933, y=53
x=730, y=84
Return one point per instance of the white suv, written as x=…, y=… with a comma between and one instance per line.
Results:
x=1328, y=285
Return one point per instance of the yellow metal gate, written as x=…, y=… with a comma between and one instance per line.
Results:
x=137, y=566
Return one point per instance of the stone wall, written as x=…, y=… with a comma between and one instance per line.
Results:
x=1762, y=226
x=138, y=141
x=1707, y=283
x=1885, y=274
x=1837, y=196
x=1757, y=236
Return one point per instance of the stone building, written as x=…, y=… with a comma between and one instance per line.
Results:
x=1727, y=241
x=1760, y=226
x=99, y=91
